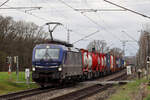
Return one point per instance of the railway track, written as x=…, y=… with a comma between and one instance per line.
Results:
x=24, y=94
x=86, y=92
x=76, y=95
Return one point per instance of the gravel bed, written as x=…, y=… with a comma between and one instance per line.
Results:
x=103, y=95
x=107, y=93
x=59, y=92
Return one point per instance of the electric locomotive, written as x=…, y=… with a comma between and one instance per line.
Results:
x=54, y=63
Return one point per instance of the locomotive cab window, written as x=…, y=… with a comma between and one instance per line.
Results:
x=47, y=53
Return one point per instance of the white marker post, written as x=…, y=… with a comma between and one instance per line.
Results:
x=129, y=70
x=16, y=61
x=27, y=76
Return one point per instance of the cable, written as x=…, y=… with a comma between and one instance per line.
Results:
x=42, y=18
x=66, y=4
x=88, y=18
x=4, y=3
x=130, y=37
x=126, y=34
x=103, y=28
x=93, y=22
x=127, y=9
x=22, y=8
x=86, y=37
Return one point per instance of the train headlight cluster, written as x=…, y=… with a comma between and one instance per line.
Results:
x=59, y=69
x=33, y=69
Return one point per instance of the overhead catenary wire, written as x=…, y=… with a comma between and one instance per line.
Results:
x=34, y=15
x=48, y=20
x=127, y=35
x=91, y=21
x=127, y=9
x=97, y=10
x=136, y=41
x=119, y=38
x=4, y=3
x=86, y=37
x=130, y=37
x=107, y=31
x=92, y=10
x=29, y=13
x=22, y=8
x=37, y=16
x=123, y=40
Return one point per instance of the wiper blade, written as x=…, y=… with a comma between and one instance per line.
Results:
x=47, y=55
x=42, y=59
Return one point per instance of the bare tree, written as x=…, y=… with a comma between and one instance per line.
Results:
x=117, y=52
x=99, y=45
x=18, y=38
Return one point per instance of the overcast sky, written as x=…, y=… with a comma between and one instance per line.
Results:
x=109, y=23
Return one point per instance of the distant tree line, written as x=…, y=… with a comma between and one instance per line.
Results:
x=101, y=47
x=17, y=38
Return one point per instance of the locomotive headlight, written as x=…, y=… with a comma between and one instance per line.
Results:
x=59, y=69
x=33, y=69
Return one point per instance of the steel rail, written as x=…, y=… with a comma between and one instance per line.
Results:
x=24, y=94
x=86, y=92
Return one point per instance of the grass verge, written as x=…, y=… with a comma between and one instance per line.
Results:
x=136, y=90
x=8, y=82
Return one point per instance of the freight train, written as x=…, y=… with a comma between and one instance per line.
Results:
x=55, y=63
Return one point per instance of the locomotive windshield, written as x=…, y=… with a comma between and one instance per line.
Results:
x=47, y=54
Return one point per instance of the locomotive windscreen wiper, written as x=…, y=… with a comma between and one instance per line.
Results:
x=47, y=56
x=42, y=59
